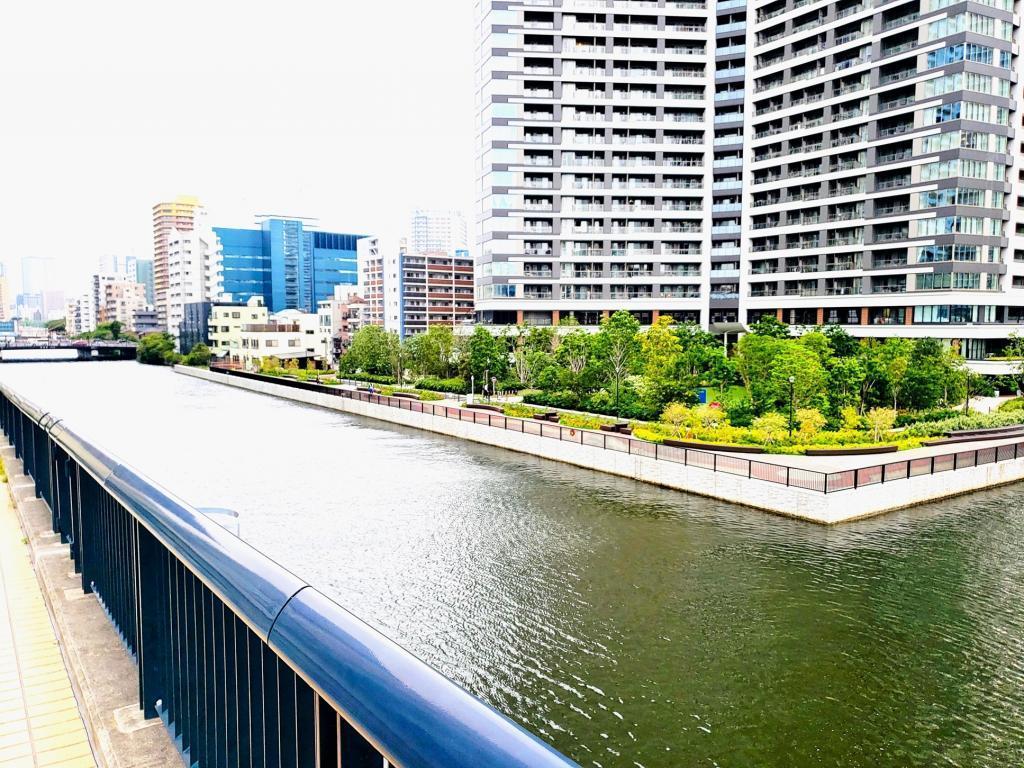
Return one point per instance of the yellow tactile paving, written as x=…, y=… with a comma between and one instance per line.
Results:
x=40, y=724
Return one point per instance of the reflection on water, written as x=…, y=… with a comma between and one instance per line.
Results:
x=627, y=624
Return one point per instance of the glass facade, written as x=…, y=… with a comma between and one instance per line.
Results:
x=289, y=265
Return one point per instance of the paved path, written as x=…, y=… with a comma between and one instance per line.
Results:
x=40, y=724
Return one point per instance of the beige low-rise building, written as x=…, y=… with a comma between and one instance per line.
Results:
x=245, y=334
x=226, y=322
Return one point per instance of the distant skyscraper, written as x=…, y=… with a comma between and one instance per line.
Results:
x=437, y=231
x=286, y=262
x=5, y=295
x=36, y=274
x=170, y=219
x=144, y=275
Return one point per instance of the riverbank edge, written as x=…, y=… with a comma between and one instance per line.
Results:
x=811, y=506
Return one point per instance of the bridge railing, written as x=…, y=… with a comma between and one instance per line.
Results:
x=246, y=663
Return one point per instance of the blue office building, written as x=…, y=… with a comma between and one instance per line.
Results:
x=290, y=265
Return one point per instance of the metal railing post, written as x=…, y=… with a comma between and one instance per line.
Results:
x=151, y=612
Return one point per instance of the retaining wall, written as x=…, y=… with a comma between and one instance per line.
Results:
x=814, y=506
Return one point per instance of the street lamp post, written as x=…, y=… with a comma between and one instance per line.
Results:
x=792, y=381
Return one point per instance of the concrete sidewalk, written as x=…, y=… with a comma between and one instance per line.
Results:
x=40, y=722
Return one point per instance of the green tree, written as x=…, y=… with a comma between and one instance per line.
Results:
x=842, y=343
x=894, y=359
x=660, y=352
x=531, y=351
x=199, y=356
x=1014, y=350
x=56, y=326
x=845, y=378
x=369, y=352
x=157, y=349
x=573, y=355
x=617, y=346
x=486, y=356
x=435, y=352
x=771, y=326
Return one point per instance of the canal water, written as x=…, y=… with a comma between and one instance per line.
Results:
x=627, y=624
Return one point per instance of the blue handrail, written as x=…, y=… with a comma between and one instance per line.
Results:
x=151, y=556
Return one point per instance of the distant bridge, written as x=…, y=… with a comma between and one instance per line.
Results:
x=66, y=351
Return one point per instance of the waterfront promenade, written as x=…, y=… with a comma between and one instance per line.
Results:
x=40, y=722
x=846, y=488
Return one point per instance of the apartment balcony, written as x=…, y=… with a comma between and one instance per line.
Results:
x=906, y=19
x=892, y=183
x=893, y=157
x=762, y=291
x=890, y=210
x=679, y=294
x=802, y=291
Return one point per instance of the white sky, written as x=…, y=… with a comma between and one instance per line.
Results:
x=351, y=111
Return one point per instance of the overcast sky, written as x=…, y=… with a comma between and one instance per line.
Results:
x=353, y=112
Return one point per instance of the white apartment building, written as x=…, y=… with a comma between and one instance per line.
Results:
x=79, y=315
x=193, y=270
x=379, y=284
x=822, y=161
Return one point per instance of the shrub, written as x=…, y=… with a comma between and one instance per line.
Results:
x=1017, y=404
x=739, y=410
x=582, y=421
x=709, y=417
x=915, y=417
x=455, y=386
x=880, y=421
x=520, y=411
x=370, y=378
x=559, y=399
x=972, y=421
x=676, y=415
x=850, y=418
x=770, y=428
x=811, y=422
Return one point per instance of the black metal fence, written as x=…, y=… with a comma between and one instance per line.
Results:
x=780, y=474
x=247, y=664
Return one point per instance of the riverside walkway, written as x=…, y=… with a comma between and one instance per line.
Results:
x=40, y=722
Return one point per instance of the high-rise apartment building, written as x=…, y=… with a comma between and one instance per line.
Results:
x=379, y=280
x=193, y=271
x=287, y=261
x=823, y=162
x=170, y=220
x=435, y=288
x=437, y=231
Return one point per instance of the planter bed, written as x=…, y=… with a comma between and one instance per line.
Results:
x=972, y=439
x=483, y=407
x=551, y=416
x=981, y=434
x=622, y=428
x=850, y=451
x=406, y=395
x=712, y=446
